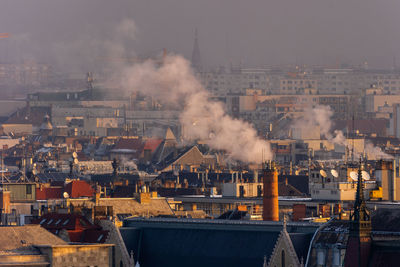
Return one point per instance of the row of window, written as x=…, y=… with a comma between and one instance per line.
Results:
x=298, y=82
x=56, y=223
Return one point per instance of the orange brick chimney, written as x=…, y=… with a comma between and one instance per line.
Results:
x=270, y=196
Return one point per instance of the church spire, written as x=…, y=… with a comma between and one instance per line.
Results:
x=196, y=59
x=359, y=242
x=360, y=217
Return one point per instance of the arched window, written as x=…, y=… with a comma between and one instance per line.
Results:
x=283, y=258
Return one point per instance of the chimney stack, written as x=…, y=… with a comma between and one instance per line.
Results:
x=270, y=196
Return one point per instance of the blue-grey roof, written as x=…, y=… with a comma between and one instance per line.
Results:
x=174, y=242
x=301, y=244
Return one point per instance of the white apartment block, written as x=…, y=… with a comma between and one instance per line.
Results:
x=322, y=81
x=234, y=82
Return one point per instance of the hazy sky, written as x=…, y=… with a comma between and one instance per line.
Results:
x=254, y=32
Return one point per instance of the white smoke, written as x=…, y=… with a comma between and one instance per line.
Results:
x=174, y=83
x=317, y=117
x=375, y=153
x=320, y=116
x=126, y=162
x=339, y=138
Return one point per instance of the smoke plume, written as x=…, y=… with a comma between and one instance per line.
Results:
x=126, y=162
x=320, y=116
x=317, y=117
x=173, y=83
x=375, y=153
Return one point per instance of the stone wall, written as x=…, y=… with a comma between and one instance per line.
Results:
x=114, y=237
x=99, y=255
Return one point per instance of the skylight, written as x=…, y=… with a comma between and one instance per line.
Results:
x=100, y=237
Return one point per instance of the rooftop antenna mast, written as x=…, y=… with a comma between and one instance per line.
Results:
x=262, y=155
x=89, y=84
x=2, y=167
x=346, y=151
x=352, y=141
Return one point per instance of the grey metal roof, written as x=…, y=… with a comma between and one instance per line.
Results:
x=195, y=242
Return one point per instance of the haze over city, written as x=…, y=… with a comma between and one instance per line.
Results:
x=253, y=33
x=175, y=133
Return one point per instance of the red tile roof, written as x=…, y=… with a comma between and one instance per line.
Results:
x=58, y=221
x=75, y=235
x=77, y=189
x=31, y=115
x=45, y=193
x=152, y=144
x=78, y=227
x=366, y=126
x=95, y=236
x=131, y=144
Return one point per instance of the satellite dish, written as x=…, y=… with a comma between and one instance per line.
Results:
x=354, y=176
x=323, y=173
x=65, y=195
x=76, y=161
x=334, y=173
x=74, y=155
x=365, y=175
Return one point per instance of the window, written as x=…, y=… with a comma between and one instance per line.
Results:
x=321, y=257
x=283, y=258
x=29, y=189
x=259, y=190
x=241, y=191
x=336, y=257
x=66, y=221
x=42, y=221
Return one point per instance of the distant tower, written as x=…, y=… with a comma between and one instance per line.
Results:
x=89, y=84
x=196, y=60
x=46, y=128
